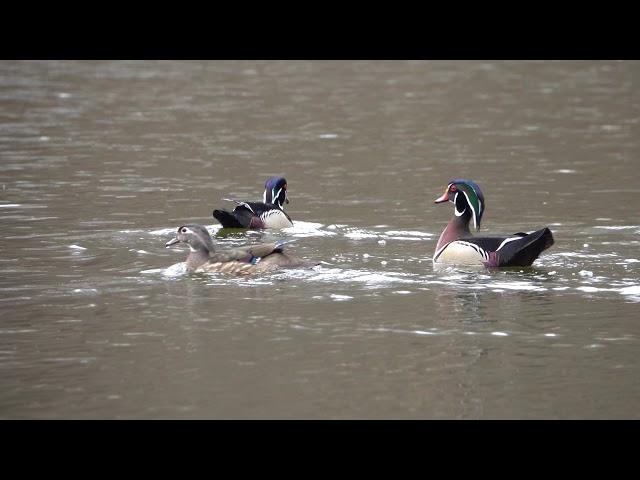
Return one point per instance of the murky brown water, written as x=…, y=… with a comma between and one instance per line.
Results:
x=101, y=161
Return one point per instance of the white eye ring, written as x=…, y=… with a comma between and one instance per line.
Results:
x=183, y=230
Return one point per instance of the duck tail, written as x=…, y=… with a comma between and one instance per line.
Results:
x=523, y=252
x=227, y=219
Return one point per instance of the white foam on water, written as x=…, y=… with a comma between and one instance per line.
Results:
x=631, y=290
x=500, y=334
x=308, y=229
x=340, y=298
x=173, y=271
x=322, y=274
x=85, y=290
x=24, y=330
x=377, y=278
x=162, y=231
x=76, y=247
x=410, y=239
x=410, y=233
x=581, y=255
x=360, y=234
x=10, y=205
x=168, y=231
x=516, y=285
x=588, y=289
x=617, y=227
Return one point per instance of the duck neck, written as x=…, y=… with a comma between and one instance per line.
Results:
x=197, y=257
x=458, y=227
x=278, y=200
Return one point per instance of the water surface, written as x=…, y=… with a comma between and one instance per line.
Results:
x=101, y=161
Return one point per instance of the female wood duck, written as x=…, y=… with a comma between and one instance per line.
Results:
x=256, y=215
x=245, y=260
x=457, y=246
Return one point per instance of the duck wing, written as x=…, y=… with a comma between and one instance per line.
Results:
x=254, y=215
x=519, y=250
x=522, y=251
x=267, y=213
x=250, y=253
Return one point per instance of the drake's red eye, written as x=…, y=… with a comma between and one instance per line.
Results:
x=453, y=188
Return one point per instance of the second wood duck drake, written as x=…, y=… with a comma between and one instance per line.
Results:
x=457, y=246
x=246, y=260
x=257, y=215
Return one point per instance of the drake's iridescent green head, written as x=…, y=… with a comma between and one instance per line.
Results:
x=466, y=196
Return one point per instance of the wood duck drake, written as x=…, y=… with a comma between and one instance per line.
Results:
x=256, y=215
x=457, y=246
x=246, y=260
